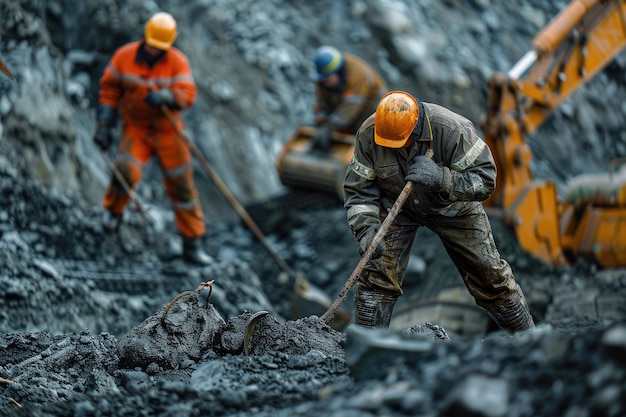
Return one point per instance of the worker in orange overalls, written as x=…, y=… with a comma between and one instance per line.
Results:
x=141, y=77
x=347, y=90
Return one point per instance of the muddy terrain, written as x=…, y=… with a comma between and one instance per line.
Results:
x=97, y=324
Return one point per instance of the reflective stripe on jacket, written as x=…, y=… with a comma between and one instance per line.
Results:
x=126, y=82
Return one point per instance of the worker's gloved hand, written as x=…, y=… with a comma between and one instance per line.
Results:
x=103, y=137
x=321, y=139
x=423, y=170
x=164, y=96
x=105, y=116
x=368, y=238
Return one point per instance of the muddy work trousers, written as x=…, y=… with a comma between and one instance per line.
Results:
x=469, y=242
x=135, y=149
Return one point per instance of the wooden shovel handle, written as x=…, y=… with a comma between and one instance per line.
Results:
x=380, y=234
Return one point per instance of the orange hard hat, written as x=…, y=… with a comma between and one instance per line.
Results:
x=161, y=31
x=396, y=116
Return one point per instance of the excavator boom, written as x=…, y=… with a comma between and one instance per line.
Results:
x=567, y=53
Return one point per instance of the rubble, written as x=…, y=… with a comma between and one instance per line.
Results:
x=174, y=354
x=94, y=324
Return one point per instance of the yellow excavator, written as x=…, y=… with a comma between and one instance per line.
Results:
x=590, y=222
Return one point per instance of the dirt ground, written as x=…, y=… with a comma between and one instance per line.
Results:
x=95, y=324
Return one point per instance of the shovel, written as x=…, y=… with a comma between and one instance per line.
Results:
x=329, y=315
x=300, y=280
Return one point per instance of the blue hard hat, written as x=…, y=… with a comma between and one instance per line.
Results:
x=328, y=60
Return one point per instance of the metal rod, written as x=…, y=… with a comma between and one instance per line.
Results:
x=6, y=70
x=127, y=189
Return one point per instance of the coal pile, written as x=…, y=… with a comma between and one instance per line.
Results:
x=65, y=282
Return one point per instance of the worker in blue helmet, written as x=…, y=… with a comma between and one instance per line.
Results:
x=347, y=91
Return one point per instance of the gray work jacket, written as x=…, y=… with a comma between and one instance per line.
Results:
x=375, y=175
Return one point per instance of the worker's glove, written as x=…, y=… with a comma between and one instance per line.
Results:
x=368, y=238
x=423, y=170
x=164, y=96
x=103, y=137
x=105, y=116
x=322, y=136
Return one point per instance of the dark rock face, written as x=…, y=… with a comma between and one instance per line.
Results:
x=252, y=64
x=96, y=324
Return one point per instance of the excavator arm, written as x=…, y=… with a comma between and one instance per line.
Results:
x=566, y=54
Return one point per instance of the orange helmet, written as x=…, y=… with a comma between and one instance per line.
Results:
x=396, y=116
x=161, y=31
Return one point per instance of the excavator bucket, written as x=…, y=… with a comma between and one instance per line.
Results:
x=594, y=221
x=300, y=165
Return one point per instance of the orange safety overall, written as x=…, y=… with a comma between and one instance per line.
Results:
x=147, y=132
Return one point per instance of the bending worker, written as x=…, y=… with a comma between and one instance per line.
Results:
x=140, y=77
x=390, y=150
x=347, y=90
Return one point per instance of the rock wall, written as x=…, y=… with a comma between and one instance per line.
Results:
x=252, y=62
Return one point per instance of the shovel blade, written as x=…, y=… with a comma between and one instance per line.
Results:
x=308, y=300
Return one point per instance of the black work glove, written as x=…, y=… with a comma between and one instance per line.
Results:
x=103, y=137
x=368, y=238
x=105, y=116
x=164, y=96
x=321, y=139
x=423, y=170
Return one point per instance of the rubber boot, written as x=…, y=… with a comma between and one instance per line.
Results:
x=111, y=222
x=192, y=251
x=513, y=313
x=372, y=308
